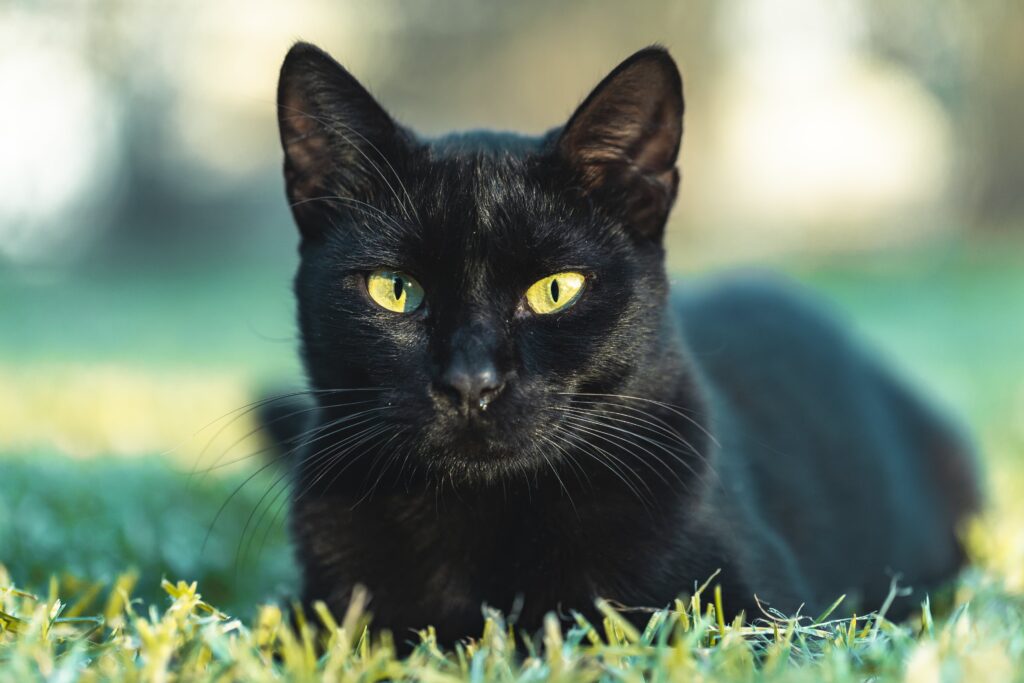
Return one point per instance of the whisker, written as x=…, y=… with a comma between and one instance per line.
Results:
x=612, y=464
x=678, y=410
x=569, y=458
x=336, y=457
x=653, y=421
x=387, y=463
x=277, y=513
x=405, y=460
x=333, y=125
x=263, y=468
x=298, y=437
x=299, y=440
x=244, y=410
x=579, y=423
x=358, y=204
x=603, y=424
x=561, y=483
x=240, y=551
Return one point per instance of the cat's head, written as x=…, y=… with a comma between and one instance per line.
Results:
x=479, y=280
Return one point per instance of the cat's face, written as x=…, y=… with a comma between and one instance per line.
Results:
x=477, y=281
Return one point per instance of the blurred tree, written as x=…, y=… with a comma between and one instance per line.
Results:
x=996, y=101
x=971, y=56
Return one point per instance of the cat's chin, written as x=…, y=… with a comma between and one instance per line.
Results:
x=487, y=470
x=483, y=458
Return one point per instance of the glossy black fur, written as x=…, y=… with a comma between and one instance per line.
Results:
x=637, y=442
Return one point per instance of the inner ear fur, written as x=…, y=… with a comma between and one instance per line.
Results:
x=337, y=140
x=623, y=141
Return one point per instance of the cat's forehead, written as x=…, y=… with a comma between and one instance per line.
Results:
x=468, y=198
x=480, y=213
x=485, y=216
x=478, y=172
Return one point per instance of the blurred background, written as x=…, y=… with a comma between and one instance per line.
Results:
x=872, y=150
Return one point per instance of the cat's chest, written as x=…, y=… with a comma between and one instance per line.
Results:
x=426, y=550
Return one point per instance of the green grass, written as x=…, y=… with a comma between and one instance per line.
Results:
x=95, y=519
x=60, y=636
x=68, y=609
x=136, y=364
x=92, y=519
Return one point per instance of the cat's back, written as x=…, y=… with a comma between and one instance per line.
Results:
x=762, y=341
x=808, y=417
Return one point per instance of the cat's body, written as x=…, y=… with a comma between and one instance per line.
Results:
x=473, y=449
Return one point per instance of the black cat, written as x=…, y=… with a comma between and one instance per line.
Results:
x=510, y=407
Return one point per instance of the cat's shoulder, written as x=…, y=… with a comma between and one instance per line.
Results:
x=754, y=309
x=757, y=294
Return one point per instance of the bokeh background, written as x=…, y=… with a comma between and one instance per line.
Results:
x=871, y=149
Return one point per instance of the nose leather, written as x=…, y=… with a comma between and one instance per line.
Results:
x=471, y=378
x=473, y=385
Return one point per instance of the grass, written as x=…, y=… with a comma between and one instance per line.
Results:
x=93, y=619
x=90, y=636
x=98, y=518
x=107, y=540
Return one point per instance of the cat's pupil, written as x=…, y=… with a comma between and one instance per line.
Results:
x=398, y=288
x=554, y=290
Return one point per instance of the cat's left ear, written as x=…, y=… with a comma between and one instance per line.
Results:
x=338, y=141
x=622, y=142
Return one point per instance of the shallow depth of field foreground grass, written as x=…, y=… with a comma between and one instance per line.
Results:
x=98, y=631
x=104, y=635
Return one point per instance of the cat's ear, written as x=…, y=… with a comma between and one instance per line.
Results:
x=622, y=142
x=338, y=142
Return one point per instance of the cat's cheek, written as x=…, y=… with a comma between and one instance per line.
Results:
x=551, y=356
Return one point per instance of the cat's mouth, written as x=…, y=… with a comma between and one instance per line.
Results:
x=476, y=435
x=502, y=435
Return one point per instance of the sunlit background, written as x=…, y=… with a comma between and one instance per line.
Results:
x=871, y=149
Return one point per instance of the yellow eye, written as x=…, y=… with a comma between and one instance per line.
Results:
x=394, y=291
x=555, y=292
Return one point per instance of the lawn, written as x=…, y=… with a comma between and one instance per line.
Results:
x=113, y=501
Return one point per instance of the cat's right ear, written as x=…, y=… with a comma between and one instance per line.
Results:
x=338, y=142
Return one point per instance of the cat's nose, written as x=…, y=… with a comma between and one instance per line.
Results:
x=471, y=387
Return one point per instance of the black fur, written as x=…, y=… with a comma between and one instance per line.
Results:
x=634, y=444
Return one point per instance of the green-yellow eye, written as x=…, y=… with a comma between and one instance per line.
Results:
x=394, y=291
x=555, y=292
